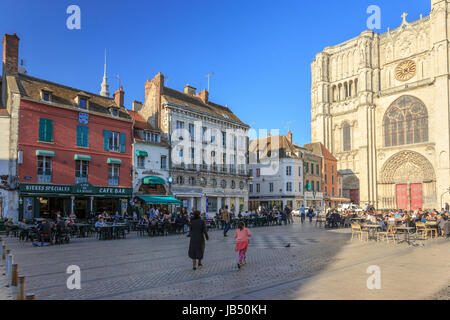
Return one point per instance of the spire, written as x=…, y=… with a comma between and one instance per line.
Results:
x=105, y=87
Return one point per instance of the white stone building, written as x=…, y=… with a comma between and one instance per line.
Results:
x=150, y=157
x=278, y=178
x=209, y=147
x=380, y=105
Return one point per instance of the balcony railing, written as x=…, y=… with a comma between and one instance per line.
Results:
x=192, y=166
x=113, y=181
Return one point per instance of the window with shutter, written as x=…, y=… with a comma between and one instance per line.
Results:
x=83, y=136
x=45, y=130
x=106, y=136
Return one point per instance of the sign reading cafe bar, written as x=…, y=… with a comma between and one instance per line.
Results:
x=83, y=188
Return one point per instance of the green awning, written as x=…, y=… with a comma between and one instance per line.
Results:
x=140, y=153
x=83, y=157
x=114, y=161
x=160, y=200
x=153, y=180
x=45, y=153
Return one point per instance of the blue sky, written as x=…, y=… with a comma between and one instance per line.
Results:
x=260, y=51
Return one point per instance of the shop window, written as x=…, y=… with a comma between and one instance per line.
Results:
x=113, y=174
x=44, y=169
x=81, y=171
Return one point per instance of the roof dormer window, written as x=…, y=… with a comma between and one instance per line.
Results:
x=46, y=95
x=114, y=112
x=82, y=101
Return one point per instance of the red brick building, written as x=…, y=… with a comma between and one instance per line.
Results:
x=74, y=148
x=330, y=175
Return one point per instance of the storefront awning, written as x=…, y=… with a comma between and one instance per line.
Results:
x=153, y=180
x=159, y=200
x=45, y=153
x=140, y=153
x=114, y=161
x=83, y=157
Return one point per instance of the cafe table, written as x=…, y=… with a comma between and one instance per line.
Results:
x=406, y=231
x=83, y=229
x=371, y=229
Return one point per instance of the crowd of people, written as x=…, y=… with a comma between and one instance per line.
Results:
x=410, y=218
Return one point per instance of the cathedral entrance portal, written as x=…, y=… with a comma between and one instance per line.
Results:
x=407, y=182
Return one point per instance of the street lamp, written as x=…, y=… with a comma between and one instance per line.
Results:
x=448, y=191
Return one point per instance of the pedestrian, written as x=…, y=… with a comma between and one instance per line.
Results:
x=226, y=220
x=310, y=213
x=242, y=241
x=303, y=213
x=197, y=241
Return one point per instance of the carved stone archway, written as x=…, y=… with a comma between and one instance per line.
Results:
x=407, y=168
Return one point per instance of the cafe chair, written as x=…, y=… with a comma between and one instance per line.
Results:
x=386, y=235
x=359, y=233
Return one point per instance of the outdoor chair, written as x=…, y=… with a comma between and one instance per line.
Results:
x=386, y=235
x=356, y=230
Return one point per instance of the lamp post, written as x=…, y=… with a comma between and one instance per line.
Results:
x=448, y=191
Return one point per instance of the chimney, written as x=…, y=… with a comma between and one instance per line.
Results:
x=289, y=136
x=119, y=97
x=137, y=106
x=204, y=95
x=10, y=53
x=189, y=90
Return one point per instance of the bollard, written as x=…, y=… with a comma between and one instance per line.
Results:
x=15, y=274
x=3, y=252
x=1, y=248
x=21, y=288
x=30, y=296
x=9, y=263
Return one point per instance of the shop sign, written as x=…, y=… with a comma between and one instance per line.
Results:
x=38, y=188
x=83, y=188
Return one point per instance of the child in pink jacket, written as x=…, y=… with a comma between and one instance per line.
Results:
x=242, y=241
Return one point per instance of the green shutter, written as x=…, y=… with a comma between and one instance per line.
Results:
x=79, y=138
x=49, y=130
x=106, y=135
x=122, y=142
x=45, y=130
x=41, y=129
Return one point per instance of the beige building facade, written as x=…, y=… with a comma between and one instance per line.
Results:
x=380, y=104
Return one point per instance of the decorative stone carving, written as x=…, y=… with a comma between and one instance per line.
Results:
x=405, y=70
x=407, y=167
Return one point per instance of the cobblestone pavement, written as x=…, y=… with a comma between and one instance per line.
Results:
x=158, y=268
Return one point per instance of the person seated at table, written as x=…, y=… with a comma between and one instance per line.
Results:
x=100, y=223
x=239, y=215
x=117, y=217
x=23, y=223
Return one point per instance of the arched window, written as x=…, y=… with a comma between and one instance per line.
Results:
x=346, y=137
x=405, y=122
x=180, y=180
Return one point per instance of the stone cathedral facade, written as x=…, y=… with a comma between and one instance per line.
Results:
x=380, y=104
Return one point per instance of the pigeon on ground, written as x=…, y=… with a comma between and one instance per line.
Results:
x=288, y=245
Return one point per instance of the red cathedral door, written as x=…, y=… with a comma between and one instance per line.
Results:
x=416, y=196
x=354, y=196
x=402, y=196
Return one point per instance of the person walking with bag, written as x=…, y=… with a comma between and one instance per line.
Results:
x=226, y=218
x=197, y=241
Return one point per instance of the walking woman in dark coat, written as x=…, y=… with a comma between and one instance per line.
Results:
x=197, y=243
